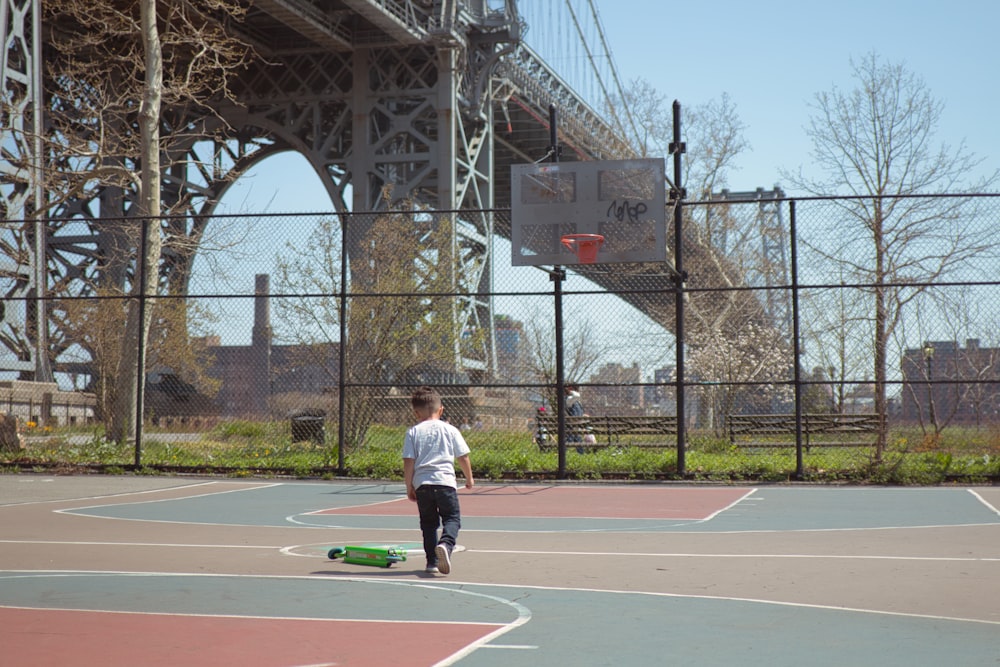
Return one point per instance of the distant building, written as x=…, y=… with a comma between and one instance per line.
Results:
x=661, y=398
x=45, y=404
x=263, y=380
x=944, y=383
x=509, y=336
x=619, y=398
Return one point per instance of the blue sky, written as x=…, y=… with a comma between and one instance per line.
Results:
x=773, y=56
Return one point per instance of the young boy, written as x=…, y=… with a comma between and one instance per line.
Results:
x=430, y=450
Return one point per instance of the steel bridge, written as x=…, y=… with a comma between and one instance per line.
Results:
x=435, y=98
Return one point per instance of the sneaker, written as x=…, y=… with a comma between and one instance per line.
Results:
x=431, y=569
x=444, y=558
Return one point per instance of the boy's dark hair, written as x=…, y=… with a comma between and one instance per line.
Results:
x=425, y=398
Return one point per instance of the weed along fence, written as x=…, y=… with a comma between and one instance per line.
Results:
x=305, y=366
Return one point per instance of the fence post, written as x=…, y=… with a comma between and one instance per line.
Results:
x=140, y=376
x=342, y=360
x=796, y=347
x=557, y=275
x=677, y=148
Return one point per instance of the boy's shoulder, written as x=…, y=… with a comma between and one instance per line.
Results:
x=428, y=425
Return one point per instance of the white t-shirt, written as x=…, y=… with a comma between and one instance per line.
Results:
x=434, y=445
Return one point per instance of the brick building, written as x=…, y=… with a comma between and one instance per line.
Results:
x=944, y=383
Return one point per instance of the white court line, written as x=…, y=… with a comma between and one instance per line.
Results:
x=287, y=550
x=348, y=507
x=462, y=587
x=659, y=529
x=686, y=520
x=726, y=598
x=984, y=501
x=247, y=487
x=523, y=613
x=731, y=505
x=252, y=617
x=591, y=554
x=114, y=495
x=146, y=544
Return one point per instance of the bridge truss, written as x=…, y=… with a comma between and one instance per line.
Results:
x=374, y=93
x=431, y=100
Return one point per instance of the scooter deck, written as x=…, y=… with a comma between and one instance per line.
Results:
x=380, y=555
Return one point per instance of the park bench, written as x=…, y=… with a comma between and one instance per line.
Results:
x=608, y=431
x=818, y=430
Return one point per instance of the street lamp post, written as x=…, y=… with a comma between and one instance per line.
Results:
x=929, y=359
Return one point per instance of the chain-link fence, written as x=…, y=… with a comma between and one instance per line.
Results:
x=823, y=339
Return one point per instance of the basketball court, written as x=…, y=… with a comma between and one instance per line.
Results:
x=157, y=571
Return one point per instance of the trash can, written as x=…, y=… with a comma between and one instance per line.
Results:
x=308, y=425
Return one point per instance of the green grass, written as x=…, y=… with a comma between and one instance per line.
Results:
x=253, y=448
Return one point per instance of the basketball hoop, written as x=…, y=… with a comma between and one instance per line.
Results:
x=584, y=246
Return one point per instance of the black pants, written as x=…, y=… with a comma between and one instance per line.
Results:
x=438, y=506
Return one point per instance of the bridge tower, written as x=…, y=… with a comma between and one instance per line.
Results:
x=374, y=93
x=769, y=267
x=23, y=328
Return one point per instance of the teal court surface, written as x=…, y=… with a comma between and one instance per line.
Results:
x=196, y=571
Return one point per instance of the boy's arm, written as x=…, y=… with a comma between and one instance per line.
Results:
x=411, y=493
x=466, y=465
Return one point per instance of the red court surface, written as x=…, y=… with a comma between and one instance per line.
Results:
x=126, y=571
x=638, y=502
x=60, y=638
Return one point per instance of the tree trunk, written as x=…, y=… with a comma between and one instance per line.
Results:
x=131, y=366
x=881, y=334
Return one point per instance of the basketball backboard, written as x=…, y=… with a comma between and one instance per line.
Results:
x=623, y=201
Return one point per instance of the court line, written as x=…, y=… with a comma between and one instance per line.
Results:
x=248, y=487
x=274, y=547
x=344, y=511
x=189, y=522
x=373, y=504
x=523, y=617
x=462, y=587
x=517, y=489
x=113, y=495
x=717, y=555
x=661, y=528
x=523, y=613
x=731, y=505
x=989, y=506
x=287, y=550
x=725, y=598
x=253, y=617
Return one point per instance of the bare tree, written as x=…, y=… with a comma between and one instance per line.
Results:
x=876, y=143
x=713, y=131
x=836, y=331
x=721, y=248
x=400, y=320
x=128, y=80
x=582, y=351
x=131, y=368
x=176, y=341
x=714, y=257
x=651, y=115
